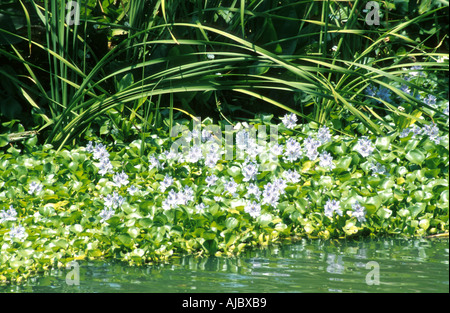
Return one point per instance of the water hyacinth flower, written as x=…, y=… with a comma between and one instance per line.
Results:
x=280, y=185
x=432, y=131
x=120, y=179
x=8, y=215
x=34, y=188
x=324, y=135
x=289, y=120
x=186, y=195
x=378, y=169
x=332, y=206
x=370, y=91
x=253, y=208
x=90, y=147
x=114, y=200
x=253, y=190
x=430, y=100
x=171, y=201
x=365, y=146
x=173, y=156
x=293, y=150
x=254, y=149
x=405, y=89
x=211, y=159
x=310, y=148
x=175, y=199
x=326, y=160
x=384, y=94
x=417, y=71
x=250, y=170
x=242, y=138
x=195, y=154
x=231, y=186
x=100, y=152
x=381, y=93
x=17, y=233
x=200, y=208
x=106, y=214
x=272, y=192
x=105, y=166
x=132, y=190
x=211, y=180
x=359, y=212
x=292, y=176
x=166, y=183
x=154, y=163
x=276, y=150
x=207, y=135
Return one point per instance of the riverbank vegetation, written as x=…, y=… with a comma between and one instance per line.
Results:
x=151, y=129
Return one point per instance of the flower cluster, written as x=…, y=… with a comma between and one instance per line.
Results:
x=175, y=199
x=102, y=155
x=326, y=160
x=16, y=233
x=273, y=191
x=332, y=206
x=293, y=150
x=359, y=212
x=430, y=130
x=290, y=120
x=253, y=208
x=365, y=147
x=381, y=93
x=35, y=188
x=8, y=215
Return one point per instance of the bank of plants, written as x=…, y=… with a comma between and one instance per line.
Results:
x=181, y=194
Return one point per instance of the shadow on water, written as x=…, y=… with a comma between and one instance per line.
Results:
x=378, y=265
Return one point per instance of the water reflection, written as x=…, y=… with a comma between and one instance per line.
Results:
x=417, y=265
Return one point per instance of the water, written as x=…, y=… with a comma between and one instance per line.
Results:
x=379, y=265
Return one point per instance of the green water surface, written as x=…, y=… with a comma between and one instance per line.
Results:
x=378, y=265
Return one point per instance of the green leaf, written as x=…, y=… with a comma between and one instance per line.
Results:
x=382, y=143
x=415, y=156
x=125, y=239
x=126, y=81
x=265, y=219
x=145, y=222
x=416, y=209
x=4, y=140
x=76, y=228
x=134, y=232
x=234, y=171
x=231, y=223
x=209, y=235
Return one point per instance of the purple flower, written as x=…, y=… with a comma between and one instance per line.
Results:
x=332, y=206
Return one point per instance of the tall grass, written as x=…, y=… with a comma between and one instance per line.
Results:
x=162, y=58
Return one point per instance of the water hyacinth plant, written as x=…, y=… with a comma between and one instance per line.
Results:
x=141, y=210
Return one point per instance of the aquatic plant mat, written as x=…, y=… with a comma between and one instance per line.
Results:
x=207, y=189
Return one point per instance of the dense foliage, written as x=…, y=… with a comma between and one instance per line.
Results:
x=117, y=143
x=112, y=200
